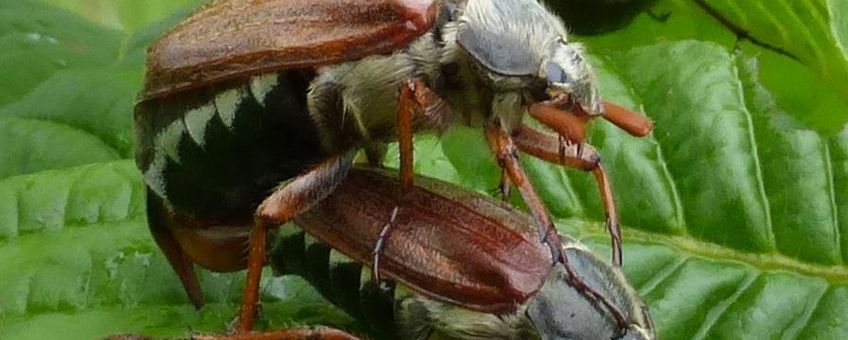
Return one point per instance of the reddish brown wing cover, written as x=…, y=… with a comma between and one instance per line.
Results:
x=232, y=38
x=449, y=244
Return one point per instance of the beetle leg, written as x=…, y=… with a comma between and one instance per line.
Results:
x=507, y=156
x=415, y=97
x=405, y=133
x=505, y=185
x=157, y=216
x=375, y=153
x=550, y=148
x=301, y=333
x=378, y=249
x=420, y=106
x=292, y=198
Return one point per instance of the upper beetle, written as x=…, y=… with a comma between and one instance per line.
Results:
x=252, y=110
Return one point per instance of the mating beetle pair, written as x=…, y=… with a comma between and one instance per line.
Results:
x=244, y=95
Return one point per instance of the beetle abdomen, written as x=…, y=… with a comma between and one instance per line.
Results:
x=215, y=153
x=340, y=279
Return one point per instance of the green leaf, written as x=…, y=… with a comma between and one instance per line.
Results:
x=811, y=31
x=77, y=243
x=127, y=15
x=838, y=11
x=38, y=40
x=733, y=208
x=79, y=99
x=72, y=84
x=33, y=145
x=136, y=15
x=810, y=36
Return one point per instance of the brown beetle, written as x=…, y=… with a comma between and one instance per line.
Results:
x=460, y=266
x=246, y=94
x=466, y=267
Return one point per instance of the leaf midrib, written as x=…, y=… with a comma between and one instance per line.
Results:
x=769, y=261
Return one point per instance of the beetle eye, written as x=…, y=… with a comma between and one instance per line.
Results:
x=555, y=73
x=557, y=82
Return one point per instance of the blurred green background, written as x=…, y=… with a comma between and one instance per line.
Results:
x=735, y=209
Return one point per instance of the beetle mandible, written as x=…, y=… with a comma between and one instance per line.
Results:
x=244, y=95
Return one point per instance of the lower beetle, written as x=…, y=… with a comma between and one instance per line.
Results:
x=466, y=267
x=461, y=266
x=244, y=95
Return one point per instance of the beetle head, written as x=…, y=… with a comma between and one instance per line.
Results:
x=568, y=73
x=520, y=46
x=561, y=310
x=558, y=311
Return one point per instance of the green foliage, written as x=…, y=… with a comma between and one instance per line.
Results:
x=734, y=208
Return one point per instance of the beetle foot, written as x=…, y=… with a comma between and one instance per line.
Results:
x=234, y=326
x=552, y=240
x=505, y=186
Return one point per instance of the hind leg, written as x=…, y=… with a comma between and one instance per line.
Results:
x=286, y=202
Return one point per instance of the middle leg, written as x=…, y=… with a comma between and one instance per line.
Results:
x=416, y=100
x=578, y=156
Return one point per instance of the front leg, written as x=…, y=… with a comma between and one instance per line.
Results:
x=416, y=101
x=507, y=155
x=287, y=201
x=578, y=156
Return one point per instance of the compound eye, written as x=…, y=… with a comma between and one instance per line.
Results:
x=558, y=81
x=555, y=74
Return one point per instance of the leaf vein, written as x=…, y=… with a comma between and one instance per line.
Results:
x=680, y=218
x=810, y=38
x=804, y=320
x=662, y=275
x=758, y=168
x=718, y=311
x=834, y=211
x=762, y=261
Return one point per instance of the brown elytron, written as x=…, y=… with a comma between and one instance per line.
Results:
x=236, y=38
x=449, y=245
